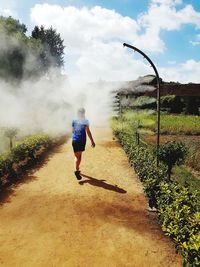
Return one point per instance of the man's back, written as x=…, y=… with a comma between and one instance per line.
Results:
x=79, y=129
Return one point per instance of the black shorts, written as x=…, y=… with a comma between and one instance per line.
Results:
x=78, y=146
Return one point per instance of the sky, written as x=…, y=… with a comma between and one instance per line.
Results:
x=94, y=31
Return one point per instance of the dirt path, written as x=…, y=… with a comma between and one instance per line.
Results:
x=53, y=220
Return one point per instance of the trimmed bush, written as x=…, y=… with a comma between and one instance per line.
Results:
x=21, y=156
x=177, y=207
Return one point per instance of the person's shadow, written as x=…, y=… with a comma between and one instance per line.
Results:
x=101, y=183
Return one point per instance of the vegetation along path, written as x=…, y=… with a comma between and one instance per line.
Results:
x=51, y=219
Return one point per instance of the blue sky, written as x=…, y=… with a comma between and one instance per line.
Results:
x=168, y=31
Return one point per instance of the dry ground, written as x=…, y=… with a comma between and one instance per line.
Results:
x=53, y=220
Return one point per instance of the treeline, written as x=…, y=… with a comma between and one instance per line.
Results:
x=24, y=57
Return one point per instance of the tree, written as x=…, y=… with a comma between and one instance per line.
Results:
x=52, y=51
x=12, y=26
x=26, y=57
x=172, y=153
x=11, y=134
x=12, y=56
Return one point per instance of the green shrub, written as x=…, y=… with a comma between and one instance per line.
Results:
x=172, y=104
x=22, y=155
x=177, y=206
x=27, y=148
x=5, y=168
x=172, y=153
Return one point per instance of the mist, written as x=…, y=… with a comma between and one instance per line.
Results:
x=49, y=103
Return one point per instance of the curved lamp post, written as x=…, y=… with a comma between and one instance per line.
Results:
x=158, y=91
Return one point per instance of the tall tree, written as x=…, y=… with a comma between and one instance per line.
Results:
x=12, y=56
x=12, y=26
x=25, y=57
x=52, y=52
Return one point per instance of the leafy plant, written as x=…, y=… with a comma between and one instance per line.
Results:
x=21, y=156
x=172, y=153
x=11, y=133
x=177, y=205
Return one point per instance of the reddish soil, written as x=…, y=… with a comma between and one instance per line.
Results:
x=163, y=138
x=51, y=219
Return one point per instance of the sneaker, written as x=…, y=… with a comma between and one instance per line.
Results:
x=78, y=175
x=153, y=209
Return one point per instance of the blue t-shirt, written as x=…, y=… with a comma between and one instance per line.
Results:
x=79, y=127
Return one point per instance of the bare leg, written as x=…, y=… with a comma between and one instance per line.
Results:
x=78, y=156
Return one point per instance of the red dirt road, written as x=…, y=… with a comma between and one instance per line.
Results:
x=53, y=220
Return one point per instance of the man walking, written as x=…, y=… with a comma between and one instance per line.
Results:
x=80, y=127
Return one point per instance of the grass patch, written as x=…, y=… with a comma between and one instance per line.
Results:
x=169, y=124
x=179, y=127
x=177, y=124
x=185, y=128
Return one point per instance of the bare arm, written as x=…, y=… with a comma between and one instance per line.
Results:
x=90, y=136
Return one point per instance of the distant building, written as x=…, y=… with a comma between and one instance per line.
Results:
x=147, y=85
x=130, y=90
x=187, y=96
x=178, y=89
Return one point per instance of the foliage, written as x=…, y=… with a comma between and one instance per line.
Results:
x=192, y=105
x=172, y=153
x=16, y=49
x=179, y=124
x=12, y=25
x=193, y=158
x=21, y=156
x=11, y=58
x=170, y=124
x=11, y=133
x=24, y=57
x=184, y=177
x=27, y=148
x=172, y=104
x=52, y=51
x=177, y=206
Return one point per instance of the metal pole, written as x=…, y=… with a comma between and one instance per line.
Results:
x=158, y=93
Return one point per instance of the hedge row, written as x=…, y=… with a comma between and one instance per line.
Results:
x=177, y=208
x=15, y=162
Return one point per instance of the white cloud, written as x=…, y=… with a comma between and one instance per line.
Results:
x=94, y=37
x=8, y=8
x=82, y=26
x=185, y=72
x=6, y=12
x=150, y=41
x=164, y=16
x=195, y=43
x=167, y=2
x=171, y=62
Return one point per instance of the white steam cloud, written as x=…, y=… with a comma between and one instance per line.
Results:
x=50, y=104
